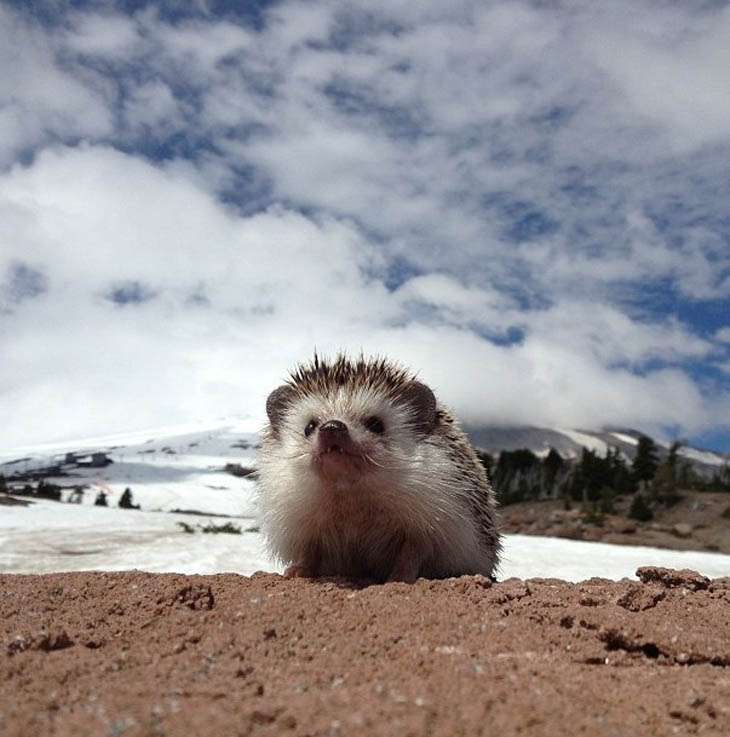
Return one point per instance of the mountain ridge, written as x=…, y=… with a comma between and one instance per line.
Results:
x=187, y=439
x=569, y=443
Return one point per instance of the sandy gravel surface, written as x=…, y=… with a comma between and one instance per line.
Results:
x=165, y=654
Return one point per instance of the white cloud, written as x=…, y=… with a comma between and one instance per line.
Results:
x=197, y=46
x=277, y=284
x=113, y=36
x=485, y=193
x=95, y=215
x=723, y=334
x=37, y=95
x=152, y=107
x=612, y=337
x=673, y=76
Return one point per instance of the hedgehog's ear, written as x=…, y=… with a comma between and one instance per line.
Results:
x=420, y=399
x=277, y=404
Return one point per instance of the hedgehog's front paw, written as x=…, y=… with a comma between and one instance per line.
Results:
x=407, y=563
x=299, y=572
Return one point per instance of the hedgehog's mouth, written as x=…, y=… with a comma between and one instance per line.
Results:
x=336, y=460
x=337, y=452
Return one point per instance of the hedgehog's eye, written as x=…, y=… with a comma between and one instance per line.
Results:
x=311, y=427
x=375, y=424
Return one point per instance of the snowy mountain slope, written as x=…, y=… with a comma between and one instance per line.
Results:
x=570, y=443
x=167, y=469
x=183, y=467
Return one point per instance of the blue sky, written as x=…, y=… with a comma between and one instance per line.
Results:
x=526, y=202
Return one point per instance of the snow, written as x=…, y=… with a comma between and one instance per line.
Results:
x=625, y=438
x=703, y=456
x=588, y=441
x=527, y=556
x=238, y=426
x=48, y=536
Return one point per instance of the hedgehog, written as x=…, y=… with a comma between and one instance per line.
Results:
x=363, y=474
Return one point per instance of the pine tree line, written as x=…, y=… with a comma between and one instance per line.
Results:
x=520, y=475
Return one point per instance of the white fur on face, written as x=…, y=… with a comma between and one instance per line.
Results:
x=404, y=486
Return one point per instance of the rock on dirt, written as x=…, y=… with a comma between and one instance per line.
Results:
x=682, y=529
x=133, y=654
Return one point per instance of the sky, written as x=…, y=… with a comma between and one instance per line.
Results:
x=528, y=203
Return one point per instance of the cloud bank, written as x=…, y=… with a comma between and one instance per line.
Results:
x=527, y=204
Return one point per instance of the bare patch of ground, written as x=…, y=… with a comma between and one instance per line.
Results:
x=695, y=522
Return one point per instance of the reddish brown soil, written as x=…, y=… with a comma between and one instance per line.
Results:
x=697, y=521
x=147, y=654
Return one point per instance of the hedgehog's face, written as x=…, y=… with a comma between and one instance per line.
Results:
x=345, y=434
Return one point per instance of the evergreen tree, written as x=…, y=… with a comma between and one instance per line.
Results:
x=517, y=476
x=552, y=464
x=605, y=503
x=48, y=491
x=3, y=487
x=724, y=477
x=673, y=455
x=640, y=510
x=721, y=479
x=665, y=482
x=623, y=481
x=125, y=500
x=686, y=476
x=645, y=462
x=592, y=474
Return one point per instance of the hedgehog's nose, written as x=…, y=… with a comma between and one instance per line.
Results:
x=333, y=428
x=333, y=436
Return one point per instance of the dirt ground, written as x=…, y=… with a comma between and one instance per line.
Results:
x=164, y=654
x=698, y=521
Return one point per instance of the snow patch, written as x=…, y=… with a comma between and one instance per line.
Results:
x=703, y=456
x=588, y=441
x=630, y=439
